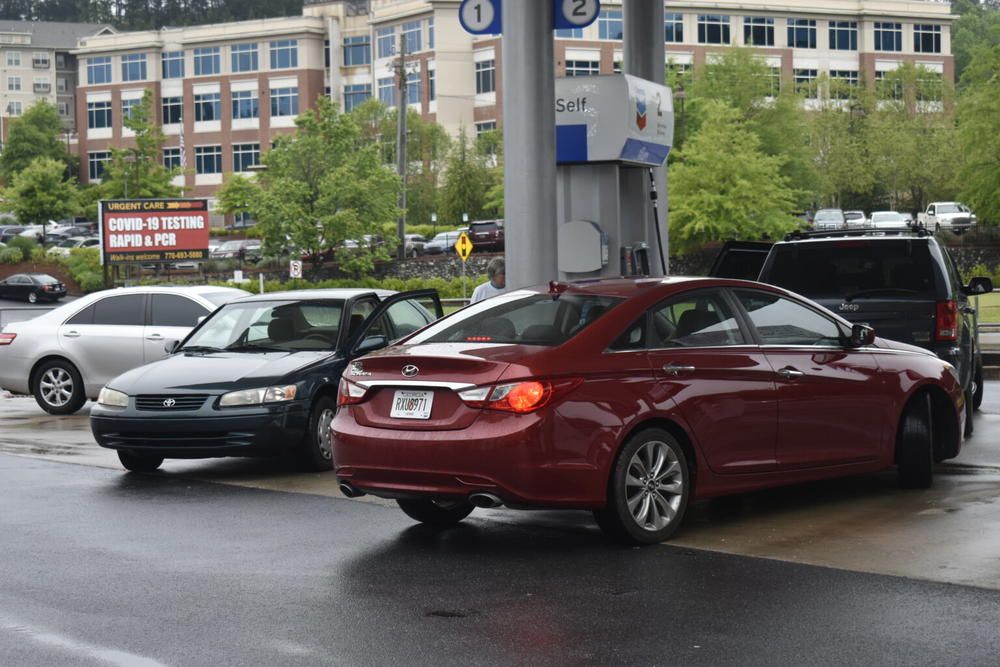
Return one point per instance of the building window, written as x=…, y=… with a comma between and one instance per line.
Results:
x=98, y=114
x=61, y=85
x=60, y=61
x=673, y=28
x=486, y=76
x=805, y=82
x=430, y=33
x=841, y=79
x=930, y=88
x=208, y=159
x=13, y=83
x=134, y=67
x=246, y=104
x=411, y=36
x=387, y=91
x=63, y=109
x=127, y=106
x=431, y=86
x=485, y=126
x=582, y=67
x=14, y=59
x=888, y=87
x=385, y=42
x=355, y=94
x=173, y=64
x=774, y=81
x=95, y=164
x=927, y=38
x=172, y=158
x=413, y=87
x=284, y=101
x=569, y=33
x=758, y=31
x=40, y=59
x=713, y=29
x=173, y=110
x=207, y=61
x=99, y=70
x=14, y=108
x=285, y=54
x=888, y=36
x=802, y=33
x=245, y=58
x=245, y=156
x=844, y=35
x=357, y=51
x=609, y=24
x=207, y=106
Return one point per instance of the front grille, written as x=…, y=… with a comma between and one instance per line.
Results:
x=172, y=402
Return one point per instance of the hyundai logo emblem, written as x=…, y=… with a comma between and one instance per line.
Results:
x=169, y=402
x=410, y=370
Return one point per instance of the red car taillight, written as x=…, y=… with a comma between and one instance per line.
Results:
x=521, y=397
x=350, y=393
x=946, y=321
x=7, y=339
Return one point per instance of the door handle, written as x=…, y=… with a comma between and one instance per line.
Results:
x=155, y=336
x=71, y=334
x=790, y=373
x=677, y=370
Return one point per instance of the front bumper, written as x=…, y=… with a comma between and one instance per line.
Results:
x=257, y=431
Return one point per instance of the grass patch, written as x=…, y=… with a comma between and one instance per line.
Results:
x=989, y=307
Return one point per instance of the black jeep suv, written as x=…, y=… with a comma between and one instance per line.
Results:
x=902, y=283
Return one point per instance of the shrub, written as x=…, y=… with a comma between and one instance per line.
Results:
x=90, y=281
x=24, y=244
x=11, y=255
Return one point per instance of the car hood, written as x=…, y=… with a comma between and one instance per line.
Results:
x=216, y=372
x=886, y=343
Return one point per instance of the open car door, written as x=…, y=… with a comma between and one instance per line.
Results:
x=395, y=318
x=740, y=259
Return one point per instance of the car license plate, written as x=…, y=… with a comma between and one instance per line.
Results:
x=410, y=404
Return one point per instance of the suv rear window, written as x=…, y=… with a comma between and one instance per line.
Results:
x=847, y=267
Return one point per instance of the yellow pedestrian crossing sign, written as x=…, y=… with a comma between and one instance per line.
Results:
x=463, y=246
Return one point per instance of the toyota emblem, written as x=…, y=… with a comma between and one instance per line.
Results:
x=169, y=402
x=410, y=370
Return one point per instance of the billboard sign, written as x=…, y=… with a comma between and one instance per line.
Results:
x=153, y=230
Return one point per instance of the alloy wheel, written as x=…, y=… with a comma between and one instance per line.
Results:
x=56, y=386
x=654, y=485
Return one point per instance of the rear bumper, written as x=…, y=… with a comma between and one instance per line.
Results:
x=513, y=458
x=250, y=432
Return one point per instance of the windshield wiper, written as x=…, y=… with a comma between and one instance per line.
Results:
x=880, y=290
x=254, y=347
x=200, y=348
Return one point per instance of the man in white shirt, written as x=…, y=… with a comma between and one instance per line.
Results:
x=497, y=283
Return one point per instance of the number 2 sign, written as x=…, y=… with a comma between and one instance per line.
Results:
x=575, y=13
x=481, y=17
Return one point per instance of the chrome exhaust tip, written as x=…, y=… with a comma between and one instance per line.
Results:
x=482, y=499
x=350, y=491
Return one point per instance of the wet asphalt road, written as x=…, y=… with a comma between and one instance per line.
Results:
x=98, y=566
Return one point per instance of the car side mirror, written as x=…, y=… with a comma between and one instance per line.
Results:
x=371, y=343
x=979, y=285
x=861, y=335
x=171, y=346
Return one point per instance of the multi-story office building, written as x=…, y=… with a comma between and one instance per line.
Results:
x=36, y=64
x=222, y=92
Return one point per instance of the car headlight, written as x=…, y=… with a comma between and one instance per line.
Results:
x=257, y=396
x=113, y=398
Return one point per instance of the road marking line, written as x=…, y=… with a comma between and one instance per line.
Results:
x=107, y=655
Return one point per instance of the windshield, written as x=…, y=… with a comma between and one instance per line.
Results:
x=271, y=325
x=849, y=267
x=219, y=298
x=829, y=215
x=888, y=217
x=526, y=318
x=948, y=208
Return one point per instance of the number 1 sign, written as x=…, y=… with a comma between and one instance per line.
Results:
x=482, y=17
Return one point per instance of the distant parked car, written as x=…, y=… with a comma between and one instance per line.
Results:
x=889, y=220
x=829, y=218
x=10, y=232
x=487, y=235
x=62, y=249
x=66, y=355
x=855, y=219
x=246, y=249
x=414, y=245
x=32, y=287
x=442, y=243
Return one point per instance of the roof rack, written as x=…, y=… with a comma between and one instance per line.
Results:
x=799, y=234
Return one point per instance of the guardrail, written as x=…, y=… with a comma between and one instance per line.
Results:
x=10, y=314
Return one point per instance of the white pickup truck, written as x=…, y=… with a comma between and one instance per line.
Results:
x=948, y=215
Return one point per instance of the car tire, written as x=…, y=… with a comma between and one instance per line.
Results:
x=977, y=390
x=648, y=490
x=316, y=453
x=970, y=410
x=915, y=446
x=437, y=513
x=58, y=387
x=137, y=462
x=32, y=297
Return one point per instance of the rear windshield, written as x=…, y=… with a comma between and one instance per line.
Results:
x=853, y=267
x=534, y=319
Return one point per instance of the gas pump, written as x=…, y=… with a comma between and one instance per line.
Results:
x=610, y=131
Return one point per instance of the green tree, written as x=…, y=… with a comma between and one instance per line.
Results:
x=320, y=187
x=979, y=135
x=35, y=134
x=468, y=178
x=978, y=26
x=40, y=193
x=723, y=186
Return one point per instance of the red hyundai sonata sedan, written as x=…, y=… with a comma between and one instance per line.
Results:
x=632, y=398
